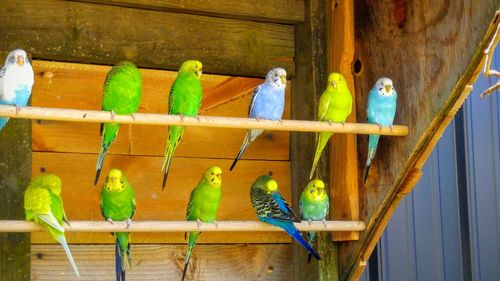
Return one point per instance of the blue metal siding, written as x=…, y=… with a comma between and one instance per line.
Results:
x=430, y=237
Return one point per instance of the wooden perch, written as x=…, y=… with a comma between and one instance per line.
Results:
x=180, y=226
x=62, y=114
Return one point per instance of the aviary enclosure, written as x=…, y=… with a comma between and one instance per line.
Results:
x=432, y=50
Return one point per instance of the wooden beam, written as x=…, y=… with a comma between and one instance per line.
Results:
x=104, y=34
x=448, y=82
x=165, y=262
x=279, y=11
x=180, y=226
x=61, y=114
x=15, y=175
x=343, y=148
x=307, y=87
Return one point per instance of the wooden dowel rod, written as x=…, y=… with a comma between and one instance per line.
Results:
x=62, y=114
x=179, y=226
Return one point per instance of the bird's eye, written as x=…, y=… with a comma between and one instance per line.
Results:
x=276, y=74
x=312, y=191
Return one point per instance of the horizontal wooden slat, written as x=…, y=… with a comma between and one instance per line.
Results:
x=81, y=198
x=282, y=11
x=70, y=85
x=180, y=226
x=104, y=34
x=164, y=262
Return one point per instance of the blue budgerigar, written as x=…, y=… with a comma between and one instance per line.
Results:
x=16, y=81
x=268, y=102
x=381, y=111
x=272, y=208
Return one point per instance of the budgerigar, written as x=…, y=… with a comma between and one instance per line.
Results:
x=268, y=102
x=184, y=100
x=43, y=205
x=314, y=206
x=381, y=110
x=16, y=81
x=118, y=204
x=335, y=105
x=121, y=95
x=272, y=208
x=203, y=205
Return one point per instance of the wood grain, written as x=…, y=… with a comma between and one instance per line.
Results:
x=15, y=175
x=282, y=11
x=164, y=262
x=104, y=34
x=81, y=198
x=70, y=85
x=442, y=44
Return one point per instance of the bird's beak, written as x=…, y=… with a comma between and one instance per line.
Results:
x=334, y=84
x=387, y=88
x=198, y=74
x=283, y=79
x=20, y=60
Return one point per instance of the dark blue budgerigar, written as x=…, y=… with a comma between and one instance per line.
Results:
x=268, y=102
x=381, y=110
x=16, y=81
x=272, y=208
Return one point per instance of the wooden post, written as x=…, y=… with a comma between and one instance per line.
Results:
x=307, y=86
x=15, y=174
x=343, y=148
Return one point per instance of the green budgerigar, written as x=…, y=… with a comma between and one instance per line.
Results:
x=43, y=205
x=314, y=205
x=118, y=204
x=335, y=105
x=121, y=95
x=184, y=100
x=203, y=205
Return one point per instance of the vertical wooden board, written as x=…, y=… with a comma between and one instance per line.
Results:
x=343, y=147
x=81, y=198
x=104, y=34
x=165, y=262
x=15, y=175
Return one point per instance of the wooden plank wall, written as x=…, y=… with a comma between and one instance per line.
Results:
x=66, y=147
x=425, y=48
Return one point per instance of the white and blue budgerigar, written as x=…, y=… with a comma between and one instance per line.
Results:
x=381, y=110
x=268, y=102
x=16, y=80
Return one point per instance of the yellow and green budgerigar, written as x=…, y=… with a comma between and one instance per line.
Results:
x=203, y=206
x=314, y=205
x=335, y=105
x=184, y=100
x=118, y=204
x=121, y=95
x=43, y=205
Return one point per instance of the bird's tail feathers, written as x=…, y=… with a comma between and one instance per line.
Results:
x=174, y=137
x=193, y=236
x=321, y=141
x=311, y=236
x=100, y=161
x=294, y=232
x=62, y=240
x=372, y=149
x=249, y=138
x=3, y=122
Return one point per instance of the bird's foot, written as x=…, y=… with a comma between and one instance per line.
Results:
x=197, y=118
x=380, y=127
x=198, y=222
x=18, y=109
x=216, y=224
x=133, y=116
x=324, y=222
x=113, y=115
x=182, y=117
x=330, y=122
x=84, y=115
x=110, y=220
x=309, y=221
x=128, y=223
x=280, y=121
x=391, y=128
x=258, y=118
x=343, y=123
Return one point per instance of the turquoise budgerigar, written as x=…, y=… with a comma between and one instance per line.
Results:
x=268, y=102
x=381, y=110
x=314, y=205
x=184, y=100
x=272, y=208
x=16, y=81
x=203, y=205
x=121, y=95
x=118, y=204
x=335, y=105
x=43, y=205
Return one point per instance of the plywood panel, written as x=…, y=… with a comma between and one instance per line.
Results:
x=81, y=198
x=69, y=85
x=105, y=34
x=164, y=262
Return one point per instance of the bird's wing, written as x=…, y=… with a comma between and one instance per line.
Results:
x=256, y=92
x=267, y=206
x=324, y=103
x=171, y=97
x=2, y=75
